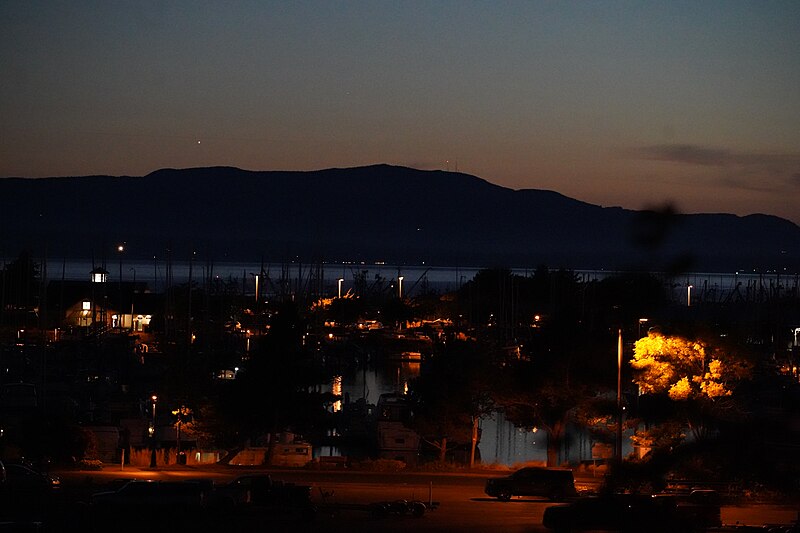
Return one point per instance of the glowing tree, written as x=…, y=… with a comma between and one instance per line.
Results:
x=689, y=371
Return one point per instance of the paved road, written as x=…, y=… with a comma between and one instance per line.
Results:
x=462, y=503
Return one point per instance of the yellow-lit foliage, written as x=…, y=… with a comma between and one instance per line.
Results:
x=325, y=303
x=322, y=303
x=681, y=390
x=664, y=435
x=685, y=369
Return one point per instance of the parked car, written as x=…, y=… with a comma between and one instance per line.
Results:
x=633, y=513
x=553, y=483
x=262, y=490
x=24, y=488
x=700, y=507
x=26, y=493
x=154, y=506
x=153, y=496
x=27, y=479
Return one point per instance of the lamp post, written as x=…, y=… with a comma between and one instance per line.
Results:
x=340, y=280
x=618, y=448
x=120, y=249
x=154, y=398
x=133, y=291
x=400, y=287
x=689, y=295
x=179, y=457
x=641, y=321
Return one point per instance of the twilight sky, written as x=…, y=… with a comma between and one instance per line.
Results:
x=614, y=103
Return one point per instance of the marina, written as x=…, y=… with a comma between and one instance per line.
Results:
x=330, y=279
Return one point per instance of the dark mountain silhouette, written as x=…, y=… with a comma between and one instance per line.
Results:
x=393, y=214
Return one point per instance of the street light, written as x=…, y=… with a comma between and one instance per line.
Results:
x=180, y=412
x=340, y=280
x=154, y=398
x=641, y=321
x=120, y=249
x=689, y=296
x=400, y=286
x=618, y=451
x=256, y=281
x=133, y=291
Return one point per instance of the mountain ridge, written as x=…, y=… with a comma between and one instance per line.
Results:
x=376, y=213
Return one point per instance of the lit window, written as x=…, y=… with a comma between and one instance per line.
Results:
x=86, y=305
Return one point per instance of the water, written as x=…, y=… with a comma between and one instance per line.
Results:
x=154, y=273
x=685, y=288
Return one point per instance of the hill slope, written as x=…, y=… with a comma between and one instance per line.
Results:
x=380, y=212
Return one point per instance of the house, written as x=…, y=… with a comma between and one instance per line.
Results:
x=83, y=304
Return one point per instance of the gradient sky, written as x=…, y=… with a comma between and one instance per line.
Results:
x=615, y=103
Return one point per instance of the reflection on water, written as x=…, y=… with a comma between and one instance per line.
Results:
x=336, y=389
x=370, y=383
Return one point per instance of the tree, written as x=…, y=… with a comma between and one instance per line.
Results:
x=274, y=392
x=624, y=298
x=19, y=289
x=201, y=427
x=396, y=311
x=563, y=373
x=451, y=394
x=346, y=310
x=562, y=363
x=534, y=398
x=689, y=371
x=684, y=368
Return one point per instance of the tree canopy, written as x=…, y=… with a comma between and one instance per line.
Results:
x=452, y=392
x=276, y=390
x=698, y=378
x=19, y=290
x=685, y=368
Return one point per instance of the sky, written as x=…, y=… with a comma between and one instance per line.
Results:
x=634, y=104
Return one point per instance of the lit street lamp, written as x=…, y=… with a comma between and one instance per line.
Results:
x=256, y=281
x=340, y=280
x=133, y=291
x=618, y=450
x=120, y=250
x=689, y=296
x=153, y=433
x=641, y=321
x=182, y=411
x=400, y=287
